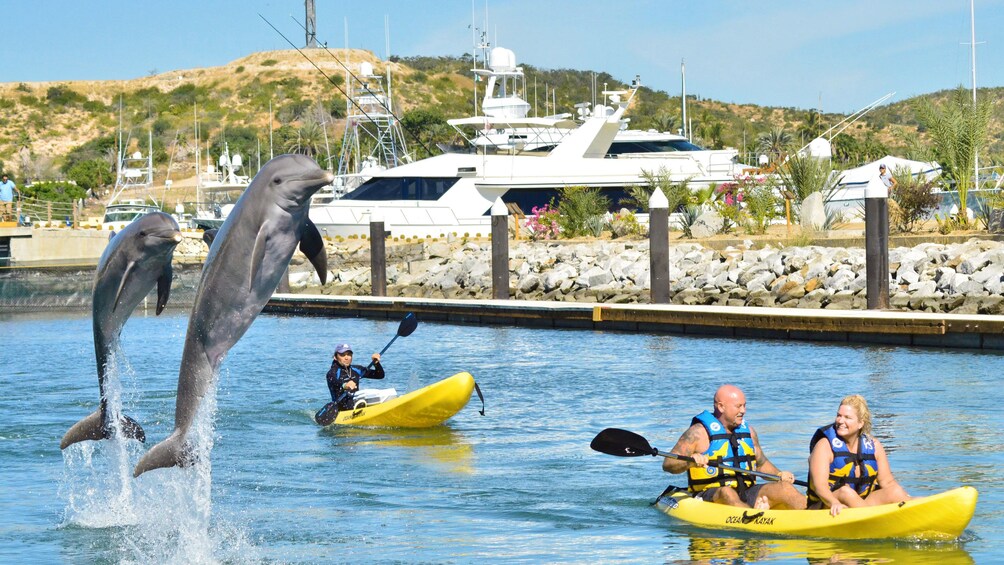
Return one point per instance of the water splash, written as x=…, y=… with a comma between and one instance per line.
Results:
x=166, y=516
x=97, y=475
x=176, y=522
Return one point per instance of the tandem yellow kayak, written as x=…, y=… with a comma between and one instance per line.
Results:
x=938, y=517
x=423, y=408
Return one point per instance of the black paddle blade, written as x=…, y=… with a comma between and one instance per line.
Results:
x=326, y=415
x=622, y=443
x=408, y=325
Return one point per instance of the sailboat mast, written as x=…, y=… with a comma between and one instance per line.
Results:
x=683, y=97
x=972, y=46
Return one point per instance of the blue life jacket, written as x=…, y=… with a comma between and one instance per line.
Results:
x=734, y=449
x=845, y=463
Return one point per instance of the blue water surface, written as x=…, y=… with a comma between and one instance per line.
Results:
x=519, y=484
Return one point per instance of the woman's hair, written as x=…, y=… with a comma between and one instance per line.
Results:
x=860, y=405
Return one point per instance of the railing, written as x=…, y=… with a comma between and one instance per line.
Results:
x=30, y=211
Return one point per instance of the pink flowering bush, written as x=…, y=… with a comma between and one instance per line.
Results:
x=542, y=223
x=750, y=201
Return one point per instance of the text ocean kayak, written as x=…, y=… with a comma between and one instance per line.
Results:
x=426, y=407
x=941, y=516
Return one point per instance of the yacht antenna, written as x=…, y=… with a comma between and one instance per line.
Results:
x=474, y=56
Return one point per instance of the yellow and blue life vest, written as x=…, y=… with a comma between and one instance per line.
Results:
x=734, y=449
x=844, y=463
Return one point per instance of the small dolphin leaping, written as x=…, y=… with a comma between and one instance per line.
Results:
x=245, y=262
x=135, y=259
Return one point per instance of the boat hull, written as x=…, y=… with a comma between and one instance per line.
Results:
x=423, y=408
x=937, y=517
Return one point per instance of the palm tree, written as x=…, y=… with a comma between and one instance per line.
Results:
x=665, y=122
x=774, y=143
x=811, y=126
x=309, y=140
x=959, y=129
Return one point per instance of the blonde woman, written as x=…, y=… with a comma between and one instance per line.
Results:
x=848, y=467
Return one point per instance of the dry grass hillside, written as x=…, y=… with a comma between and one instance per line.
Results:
x=49, y=126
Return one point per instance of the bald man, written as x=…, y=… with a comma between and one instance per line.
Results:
x=724, y=437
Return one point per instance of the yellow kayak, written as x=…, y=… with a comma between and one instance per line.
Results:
x=423, y=408
x=941, y=516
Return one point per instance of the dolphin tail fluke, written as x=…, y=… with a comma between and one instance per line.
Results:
x=172, y=452
x=131, y=429
x=93, y=428
x=90, y=428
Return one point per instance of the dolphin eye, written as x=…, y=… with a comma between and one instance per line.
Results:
x=142, y=233
x=277, y=180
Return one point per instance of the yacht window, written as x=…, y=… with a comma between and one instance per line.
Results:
x=652, y=146
x=402, y=188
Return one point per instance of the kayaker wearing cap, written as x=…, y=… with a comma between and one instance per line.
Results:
x=343, y=377
x=724, y=437
x=850, y=468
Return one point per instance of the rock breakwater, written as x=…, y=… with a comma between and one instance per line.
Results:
x=959, y=278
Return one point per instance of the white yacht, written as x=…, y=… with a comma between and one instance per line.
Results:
x=132, y=171
x=522, y=160
x=217, y=190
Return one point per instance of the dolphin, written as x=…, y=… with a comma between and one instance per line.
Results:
x=136, y=258
x=245, y=262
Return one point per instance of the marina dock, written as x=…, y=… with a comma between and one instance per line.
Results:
x=848, y=326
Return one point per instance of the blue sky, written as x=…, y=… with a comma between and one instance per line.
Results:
x=837, y=56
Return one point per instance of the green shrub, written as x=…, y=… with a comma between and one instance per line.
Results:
x=762, y=204
x=624, y=223
x=239, y=69
x=91, y=174
x=54, y=191
x=269, y=63
x=579, y=206
x=915, y=200
x=60, y=95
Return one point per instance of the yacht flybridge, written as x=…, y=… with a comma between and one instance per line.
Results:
x=522, y=160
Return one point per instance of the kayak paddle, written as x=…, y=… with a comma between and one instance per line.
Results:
x=326, y=415
x=622, y=443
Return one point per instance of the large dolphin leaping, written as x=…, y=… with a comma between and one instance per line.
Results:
x=135, y=260
x=245, y=262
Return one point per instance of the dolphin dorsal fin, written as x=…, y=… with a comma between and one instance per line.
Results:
x=122, y=284
x=258, y=254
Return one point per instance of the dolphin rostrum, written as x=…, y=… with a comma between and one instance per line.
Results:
x=244, y=265
x=136, y=258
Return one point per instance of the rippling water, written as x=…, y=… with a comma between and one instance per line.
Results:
x=518, y=485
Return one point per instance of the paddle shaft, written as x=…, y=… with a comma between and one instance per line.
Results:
x=727, y=468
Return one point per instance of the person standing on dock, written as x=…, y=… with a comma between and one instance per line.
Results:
x=723, y=436
x=7, y=192
x=885, y=175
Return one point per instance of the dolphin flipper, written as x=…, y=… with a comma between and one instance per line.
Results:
x=172, y=452
x=312, y=246
x=93, y=428
x=122, y=284
x=164, y=287
x=258, y=253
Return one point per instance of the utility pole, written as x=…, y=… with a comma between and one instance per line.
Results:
x=311, y=27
